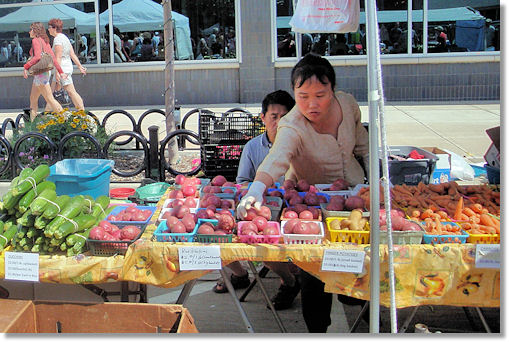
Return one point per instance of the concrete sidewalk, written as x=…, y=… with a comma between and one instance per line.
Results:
x=457, y=127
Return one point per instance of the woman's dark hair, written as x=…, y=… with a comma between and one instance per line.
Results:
x=313, y=65
x=279, y=97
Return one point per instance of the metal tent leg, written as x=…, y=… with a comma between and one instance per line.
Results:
x=359, y=317
x=263, y=272
x=409, y=319
x=266, y=296
x=231, y=290
x=186, y=290
x=483, y=319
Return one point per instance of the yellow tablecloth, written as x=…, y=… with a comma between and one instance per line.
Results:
x=425, y=274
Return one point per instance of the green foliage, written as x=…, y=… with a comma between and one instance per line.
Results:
x=35, y=151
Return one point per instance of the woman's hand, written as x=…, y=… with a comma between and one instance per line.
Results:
x=253, y=199
x=63, y=76
x=83, y=70
x=25, y=73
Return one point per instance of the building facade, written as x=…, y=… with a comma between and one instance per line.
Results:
x=237, y=51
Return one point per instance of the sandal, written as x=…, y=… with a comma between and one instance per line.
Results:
x=237, y=283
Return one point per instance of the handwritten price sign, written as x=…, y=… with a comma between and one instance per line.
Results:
x=199, y=258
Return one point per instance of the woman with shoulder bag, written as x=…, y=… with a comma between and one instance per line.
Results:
x=40, y=85
x=65, y=55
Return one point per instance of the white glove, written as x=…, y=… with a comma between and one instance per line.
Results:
x=253, y=199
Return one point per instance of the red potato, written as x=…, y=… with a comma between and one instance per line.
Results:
x=311, y=198
x=302, y=185
x=296, y=199
x=290, y=214
x=289, y=225
x=175, y=194
x=312, y=188
x=276, y=193
x=354, y=202
x=179, y=211
x=211, y=207
x=248, y=226
x=206, y=229
x=300, y=207
x=130, y=232
x=202, y=214
x=289, y=184
x=270, y=230
x=273, y=203
x=226, y=222
x=215, y=201
x=180, y=179
x=230, y=184
x=313, y=227
x=171, y=220
x=316, y=212
x=306, y=215
x=301, y=228
x=146, y=214
x=174, y=203
x=265, y=212
x=189, y=191
x=189, y=223
x=260, y=222
x=225, y=204
x=228, y=191
x=190, y=202
x=251, y=214
x=339, y=184
x=107, y=226
x=179, y=228
x=289, y=194
x=109, y=237
x=220, y=232
x=97, y=233
x=218, y=180
x=117, y=234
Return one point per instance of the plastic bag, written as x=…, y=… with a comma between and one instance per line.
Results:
x=460, y=169
x=315, y=16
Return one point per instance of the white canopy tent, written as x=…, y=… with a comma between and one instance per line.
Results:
x=144, y=15
x=20, y=20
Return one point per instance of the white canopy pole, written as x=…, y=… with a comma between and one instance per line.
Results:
x=374, y=168
x=376, y=104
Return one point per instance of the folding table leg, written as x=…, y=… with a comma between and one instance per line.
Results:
x=263, y=272
x=186, y=290
x=266, y=296
x=231, y=290
x=359, y=317
x=409, y=319
x=483, y=320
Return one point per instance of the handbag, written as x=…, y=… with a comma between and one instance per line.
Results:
x=44, y=64
x=62, y=96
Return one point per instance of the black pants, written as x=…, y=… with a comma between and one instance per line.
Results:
x=317, y=304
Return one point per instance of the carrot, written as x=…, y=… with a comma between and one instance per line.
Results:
x=442, y=214
x=469, y=212
x=463, y=217
x=416, y=213
x=476, y=207
x=459, y=208
x=427, y=214
x=488, y=221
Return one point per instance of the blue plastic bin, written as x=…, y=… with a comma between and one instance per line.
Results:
x=74, y=177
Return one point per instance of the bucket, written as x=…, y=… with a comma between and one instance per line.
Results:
x=74, y=177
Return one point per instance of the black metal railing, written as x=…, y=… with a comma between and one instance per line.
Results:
x=154, y=162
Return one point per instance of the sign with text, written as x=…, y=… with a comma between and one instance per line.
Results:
x=22, y=266
x=336, y=260
x=487, y=256
x=200, y=258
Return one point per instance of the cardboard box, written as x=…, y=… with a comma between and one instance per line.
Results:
x=24, y=316
x=442, y=171
x=492, y=156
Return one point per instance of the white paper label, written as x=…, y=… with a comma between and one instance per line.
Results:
x=200, y=258
x=22, y=266
x=487, y=256
x=336, y=260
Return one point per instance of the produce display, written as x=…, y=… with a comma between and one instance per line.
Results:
x=35, y=219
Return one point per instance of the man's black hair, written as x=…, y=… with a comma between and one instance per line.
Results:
x=280, y=97
x=313, y=65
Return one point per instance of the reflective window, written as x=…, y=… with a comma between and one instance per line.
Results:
x=459, y=26
x=15, y=42
x=467, y=26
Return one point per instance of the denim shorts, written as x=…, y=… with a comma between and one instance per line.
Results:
x=42, y=79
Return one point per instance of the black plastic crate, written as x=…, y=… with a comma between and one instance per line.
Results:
x=221, y=159
x=410, y=172
x=229, y=128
